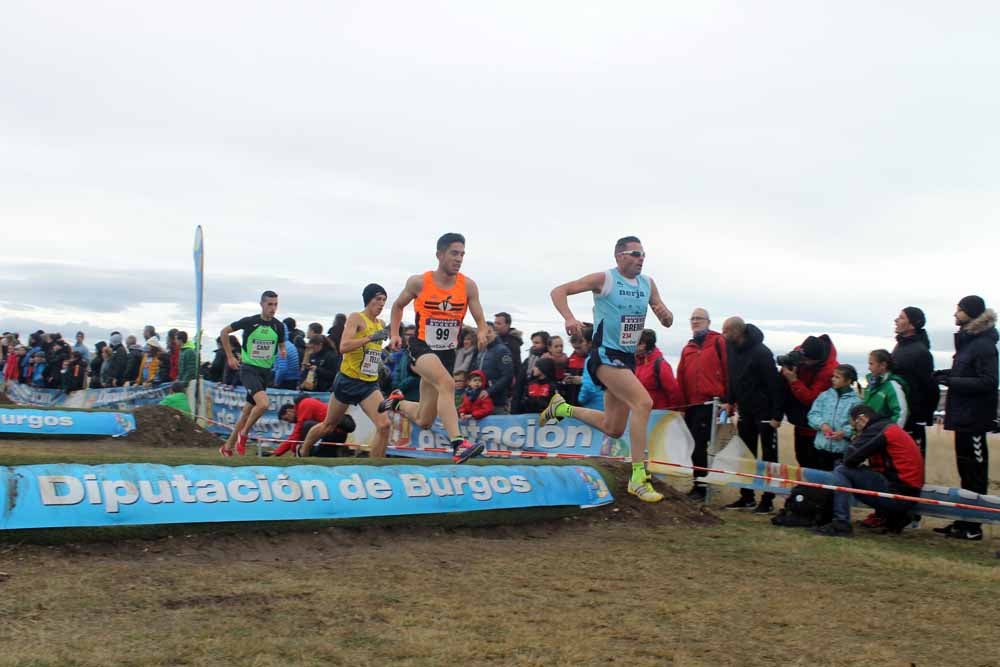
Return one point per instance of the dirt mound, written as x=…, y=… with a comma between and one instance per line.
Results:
x=160, y=426
x=675, y=509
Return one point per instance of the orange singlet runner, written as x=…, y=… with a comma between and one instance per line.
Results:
x=439, y=313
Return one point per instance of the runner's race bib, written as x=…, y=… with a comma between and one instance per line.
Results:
x=631, y=328
x=262, y=350
x=442, y=334
x=369, y=365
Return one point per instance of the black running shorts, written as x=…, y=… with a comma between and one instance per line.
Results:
x=419, y=348
x=254, y=379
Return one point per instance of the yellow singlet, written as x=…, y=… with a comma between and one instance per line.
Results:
x=362, y=363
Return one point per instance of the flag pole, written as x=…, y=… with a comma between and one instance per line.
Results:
x=199, y=290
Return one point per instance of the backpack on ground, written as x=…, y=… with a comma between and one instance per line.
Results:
x=806, y=507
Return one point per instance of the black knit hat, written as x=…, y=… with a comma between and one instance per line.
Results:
x=812, y=348
x=371, y=291
x=916, y=317
x=973, y=305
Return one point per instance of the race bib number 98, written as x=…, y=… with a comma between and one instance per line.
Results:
x=631, y=328
x=442, y=334
x=262, y=350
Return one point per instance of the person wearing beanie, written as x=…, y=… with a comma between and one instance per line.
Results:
x=541, y=385
x=912, y=361
x=114, y=369
x=357, y=381
x=805, y=383
x=971, y=404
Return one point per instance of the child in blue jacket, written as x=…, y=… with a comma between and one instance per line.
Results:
x=828, y=416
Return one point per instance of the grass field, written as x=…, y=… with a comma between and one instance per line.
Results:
x=584, y=590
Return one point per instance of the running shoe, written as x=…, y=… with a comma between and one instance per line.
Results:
x=391, y=401
x=549, y=413
x=644, y=491
x=967, y=533
x=946, y=530
x=465, y=450
x=241, y=444
x=225, y=451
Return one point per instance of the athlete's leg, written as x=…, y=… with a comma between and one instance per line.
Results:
x=260, y=403
x=421, y=413
x=440, y=395
x=238, y=427
x=611, y=421
x=335, y=411
x=623, y=385
x=369, y=406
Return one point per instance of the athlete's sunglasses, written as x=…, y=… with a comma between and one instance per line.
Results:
x=633, y=253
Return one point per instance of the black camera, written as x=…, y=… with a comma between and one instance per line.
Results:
x=791, y=360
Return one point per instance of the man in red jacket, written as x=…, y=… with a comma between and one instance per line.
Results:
x=305, y=413
x=894, y=466
x=701, y=375
x=807, y=374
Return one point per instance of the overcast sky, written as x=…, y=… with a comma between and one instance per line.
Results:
x=811, y=166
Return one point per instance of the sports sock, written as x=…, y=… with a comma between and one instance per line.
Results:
x=638, y=472
x=456, y=441
x=564, y=410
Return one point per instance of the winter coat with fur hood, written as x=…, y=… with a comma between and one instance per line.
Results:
x=971, y=405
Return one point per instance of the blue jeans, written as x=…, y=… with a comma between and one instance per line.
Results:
x=863, y=478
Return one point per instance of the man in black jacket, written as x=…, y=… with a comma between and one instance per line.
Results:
x=324, y=362
x=118, y=362
x=912, y=360
x=134, y=359
x=755, y=389
x=971, y=405
x=511, y=338
x=497, y=363
x=296, y=336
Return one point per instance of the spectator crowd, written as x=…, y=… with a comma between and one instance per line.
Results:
x=49, y=361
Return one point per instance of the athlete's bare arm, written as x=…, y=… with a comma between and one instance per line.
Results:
x=349, y=341
x=659, y=308
x=409, y=293
x=476, y=308
x=593, y=282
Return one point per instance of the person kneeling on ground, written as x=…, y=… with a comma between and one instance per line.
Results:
x=894, y=466
x=305, y=413
x=177, y=399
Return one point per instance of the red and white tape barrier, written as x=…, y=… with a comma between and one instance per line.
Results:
x=833, y=487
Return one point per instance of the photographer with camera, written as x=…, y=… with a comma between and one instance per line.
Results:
x=754, y=389
x=808, y=370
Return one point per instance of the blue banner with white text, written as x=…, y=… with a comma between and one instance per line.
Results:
x=59, y=422
x=63, y=495
x=524, y=433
